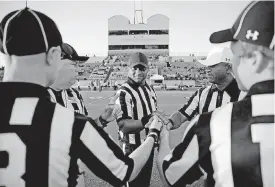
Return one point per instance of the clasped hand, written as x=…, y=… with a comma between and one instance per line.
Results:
x=112, y=111
x=164, y=118
x=154, y=123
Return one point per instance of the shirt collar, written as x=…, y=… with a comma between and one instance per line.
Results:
x=21, y=89
x=232, y=88
x=261, y=88
x=56, y=91
x=133, y=84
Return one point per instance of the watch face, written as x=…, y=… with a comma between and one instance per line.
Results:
x=103, y=122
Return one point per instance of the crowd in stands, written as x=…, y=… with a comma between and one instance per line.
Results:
x=152, y=57
x=175, y=70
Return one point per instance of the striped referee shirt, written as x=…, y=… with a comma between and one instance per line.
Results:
x=41, y=142
x=136, y=101
x=208, y=98
x=234, y=144
x=69, y=98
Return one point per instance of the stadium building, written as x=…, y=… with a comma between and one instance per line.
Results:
x=150, y=38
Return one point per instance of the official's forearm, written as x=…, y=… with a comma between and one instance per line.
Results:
x=164, y=149
x=130, y=126
x=97, y=121
x=177, y=118
x=141, y=155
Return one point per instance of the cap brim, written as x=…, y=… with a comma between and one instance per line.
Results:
x=222, y=36
x=81, y=59
x=207, y=63
x=203, y=62
x=138, y=63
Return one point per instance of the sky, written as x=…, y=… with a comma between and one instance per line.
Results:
x=84, y=24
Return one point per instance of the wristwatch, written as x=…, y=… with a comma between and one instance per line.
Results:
x=170, y=121
x=103, y=121
x=155, y=136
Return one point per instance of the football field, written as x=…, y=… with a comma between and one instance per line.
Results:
x=168, y=101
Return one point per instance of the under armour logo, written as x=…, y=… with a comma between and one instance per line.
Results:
x=253, y=35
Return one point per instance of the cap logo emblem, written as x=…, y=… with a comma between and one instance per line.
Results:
x=227, y=59
x=253, y=36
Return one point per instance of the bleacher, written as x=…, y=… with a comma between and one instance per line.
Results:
x=178, y=68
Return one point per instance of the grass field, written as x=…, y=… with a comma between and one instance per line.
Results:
x=168, y=101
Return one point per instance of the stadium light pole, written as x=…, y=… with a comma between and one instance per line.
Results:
x=140, y=11
x=134, y=12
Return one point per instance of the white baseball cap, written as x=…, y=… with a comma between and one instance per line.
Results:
x=218, y=55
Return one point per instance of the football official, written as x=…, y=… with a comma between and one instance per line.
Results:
x=61, y=90
x=234, y=143
x=41, y=141
x=224, y=88
x=138, y=101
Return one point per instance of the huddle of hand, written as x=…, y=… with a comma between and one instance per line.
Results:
x=155, y=124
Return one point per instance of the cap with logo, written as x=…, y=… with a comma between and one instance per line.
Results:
x=71, y=54
x=138, y=59
x=218, y=55
x=254, y=25
x=28, y=32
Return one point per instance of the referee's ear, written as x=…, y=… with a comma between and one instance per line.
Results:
x=259, y=62
x=228, y=68
x=53, y=56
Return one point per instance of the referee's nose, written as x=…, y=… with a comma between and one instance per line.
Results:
x=208, y=69
x=138, y=71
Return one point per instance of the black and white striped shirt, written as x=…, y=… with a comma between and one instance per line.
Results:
x=69, y=98
x=209, y=98
x=234, y=144
x=136, y=101
x=41, y=142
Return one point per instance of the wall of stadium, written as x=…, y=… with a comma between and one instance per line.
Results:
x=151, y=37
x=129, y=51
x=139, y=40
x=155, y=22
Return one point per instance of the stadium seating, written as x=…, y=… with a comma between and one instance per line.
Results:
x=180, y=68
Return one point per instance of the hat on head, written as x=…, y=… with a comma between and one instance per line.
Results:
x=254, y=25
x=218, y=55
x=28, y=32
x=138, y=59
x=71, y=54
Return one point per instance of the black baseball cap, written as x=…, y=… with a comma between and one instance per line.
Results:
x=28, y=32
x=138, y=58
x=71, y=54
x=254, y=25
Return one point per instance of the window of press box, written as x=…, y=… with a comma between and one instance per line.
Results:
x=119, y=32
x=138, y=32
x=158, y=32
